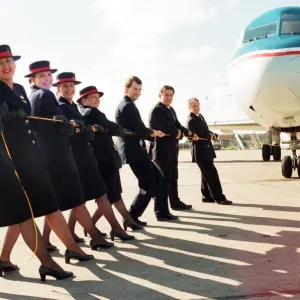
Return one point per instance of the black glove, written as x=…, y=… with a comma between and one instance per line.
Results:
x=101, y=129
x=82, y=126
x=4, y=111
x=64, y=127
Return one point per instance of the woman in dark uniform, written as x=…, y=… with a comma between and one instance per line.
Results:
x=57, y=153
x=107, y=156
x=91, y=178
x=30, y=187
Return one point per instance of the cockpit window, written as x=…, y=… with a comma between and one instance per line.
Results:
x=290, y=24
x=260, y=32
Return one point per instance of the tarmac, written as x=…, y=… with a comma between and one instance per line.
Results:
x=249, y=250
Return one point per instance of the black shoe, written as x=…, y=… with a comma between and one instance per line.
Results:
x=100, y=244
x=103, y=234
x=51, y=248
x=81, y=257
x=122, y=236
x=224, y=202
x=56, y=274
x=169, y=217
x=6, y=266
x=133, y=226
x=181, y=206
x=208, y=200
x=136, y=219
x=77, y=239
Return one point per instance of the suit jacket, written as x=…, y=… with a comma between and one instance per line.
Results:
x=103, y=144
x=130, y=148
x=202, y=150
x=165, y=119
x=54, y=145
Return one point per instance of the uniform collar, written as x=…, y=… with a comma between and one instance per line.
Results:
x=64, y=100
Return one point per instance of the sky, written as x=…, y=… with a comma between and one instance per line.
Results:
x=184, y=43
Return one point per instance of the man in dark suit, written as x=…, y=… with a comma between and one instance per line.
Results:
x=133, y=152
x=203, y=154
x=165, y=150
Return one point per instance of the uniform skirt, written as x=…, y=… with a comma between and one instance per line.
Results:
x=92, y=181
x=28, y=163
x=68, y=190
x=112, y=181
x=14, y=207
x=62, y=169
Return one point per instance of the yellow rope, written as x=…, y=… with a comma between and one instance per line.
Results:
x=31, y=210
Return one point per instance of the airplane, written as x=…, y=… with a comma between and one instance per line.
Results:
x=264, y=81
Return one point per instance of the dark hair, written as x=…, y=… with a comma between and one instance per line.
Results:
x=192, y=99
x=132, y=79
x=167, y=87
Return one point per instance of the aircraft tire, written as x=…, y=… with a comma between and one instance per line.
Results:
x=298, y=167
x=276, y=150
x=287, y=167
x=266, y=152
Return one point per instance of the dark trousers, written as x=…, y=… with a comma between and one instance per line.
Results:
x=166, y=168
x=210, y=184
x=173, y=189
x=150, y=184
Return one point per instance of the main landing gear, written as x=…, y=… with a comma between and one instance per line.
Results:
x=268, y=151
x=290, y=164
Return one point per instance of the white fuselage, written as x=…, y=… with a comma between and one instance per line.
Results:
x=269, y=82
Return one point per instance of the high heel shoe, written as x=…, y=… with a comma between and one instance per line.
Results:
x=77, y=239
x=103, y=234
x=50, y=247
x=103, y=244
x=6, y=266
x=122, y=236
x=44, y=271
x=133, y=226
x=81, y=257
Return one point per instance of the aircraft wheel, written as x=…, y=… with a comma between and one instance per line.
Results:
x=298, y=167
x=276, y=150
x=287, y=167
x=266, y=152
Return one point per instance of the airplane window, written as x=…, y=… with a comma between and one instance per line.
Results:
x=290, y=24
x=260, y=32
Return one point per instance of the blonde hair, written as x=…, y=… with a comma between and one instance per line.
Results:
x=191, y=100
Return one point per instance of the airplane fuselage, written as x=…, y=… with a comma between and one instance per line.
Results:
x=264, y=74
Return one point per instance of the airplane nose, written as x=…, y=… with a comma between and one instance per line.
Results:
x=293, y=76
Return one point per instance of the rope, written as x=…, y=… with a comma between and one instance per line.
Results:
x=27, y=198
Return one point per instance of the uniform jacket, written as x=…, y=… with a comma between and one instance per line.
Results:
x=130, y=148
x=202, y=150
x=103, y=144
x=80, y=142
x=52, y=137
x=165, y=119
